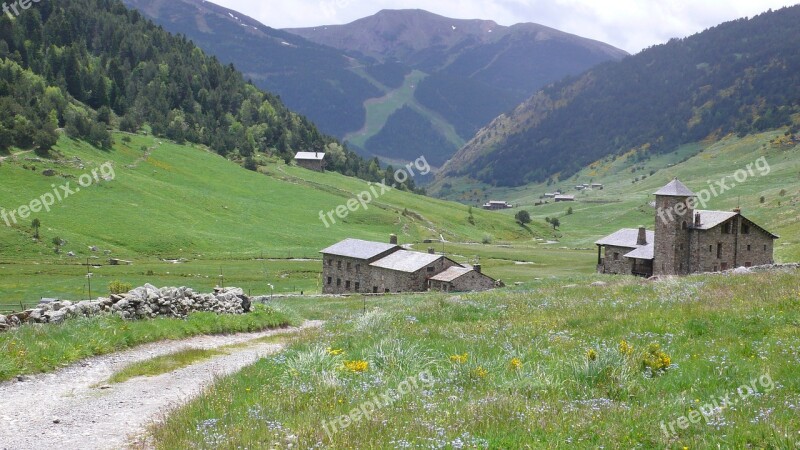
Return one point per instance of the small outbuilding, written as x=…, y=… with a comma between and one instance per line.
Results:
x=311, y=160
x=462, y=279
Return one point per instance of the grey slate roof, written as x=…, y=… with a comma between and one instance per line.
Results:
x=710, y=219
x=357, y=248
x=313, y=156
x=406, y=261
x=643, y=252
x=452, y=273
x=675, y=189
x=626, y=237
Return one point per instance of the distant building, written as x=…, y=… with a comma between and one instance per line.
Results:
x=551, y=194
x=462, y=279
x=580, y=187
x=686, y=240
x=564, y=198
x=597, y=186
x=311, y=160
x=357, y=266
x=494, y=205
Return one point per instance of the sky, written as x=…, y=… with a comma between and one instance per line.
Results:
x=631, y=25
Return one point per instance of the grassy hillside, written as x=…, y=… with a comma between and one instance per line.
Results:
x=558, y=364
x=170, y=201
x=625, y=202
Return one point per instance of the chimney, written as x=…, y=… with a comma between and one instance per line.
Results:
x=477, y=268
x=737, y=210
x=393, y=239
x=697, y=221
x=431, y=250
x=642, y=238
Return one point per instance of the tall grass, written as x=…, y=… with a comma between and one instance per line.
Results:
x=529, y=369
x=42, y=348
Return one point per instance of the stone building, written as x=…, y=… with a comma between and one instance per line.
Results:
x=311, y=160
x=686, y=240
x=462, y=279
x=357, y=266
x=497, y=204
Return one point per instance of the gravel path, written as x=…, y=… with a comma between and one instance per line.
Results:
x=73, y=409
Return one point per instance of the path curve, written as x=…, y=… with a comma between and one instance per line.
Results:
x=72, y=409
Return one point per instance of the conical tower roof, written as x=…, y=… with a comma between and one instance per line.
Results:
x=675, y=189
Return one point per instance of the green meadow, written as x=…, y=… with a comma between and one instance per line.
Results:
x=552, y=364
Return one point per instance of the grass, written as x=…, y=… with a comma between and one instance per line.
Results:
x=206, y=210
x=34, y=349
x=536, y=367
x=163, y=364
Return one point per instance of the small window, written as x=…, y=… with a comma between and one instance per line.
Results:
x=616, y=256
x=710, y=249
x=330, y=262
x=348, y=266
x=330, y=280
x=339, y=264
x=748, y=248
x=719, y=250
x=358, y=286
x=765, y=247
x=431, y=269
x=726, y=229
x=347, y=284
x=745, y=228
x=338, y=282
x=358, y=267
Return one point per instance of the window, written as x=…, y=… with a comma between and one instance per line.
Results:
x=338, y=281
x=710, y=249
x=726, y=229
x=616, y=256
x=748, y=264
x=330, y=280
x=339, y=264
x=745, y=228
x=330, y=262
x=719, y=250
x=347, y=284
x=431, y=269
x=358, y=267
x=358, y=286
x=724, y=266
x=386, y=291
x=348, y=265
x=765, y=247
x=748, y=248
x=715, y=268
x=374, y=289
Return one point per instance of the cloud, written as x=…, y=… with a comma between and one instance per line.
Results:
x=628, y=24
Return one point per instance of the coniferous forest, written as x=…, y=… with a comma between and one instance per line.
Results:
x=90, y=66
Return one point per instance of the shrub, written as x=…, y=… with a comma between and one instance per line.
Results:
x=118, y=287
x=655, y=361
x=487, y=239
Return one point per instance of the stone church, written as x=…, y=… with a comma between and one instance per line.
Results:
x=685, y=240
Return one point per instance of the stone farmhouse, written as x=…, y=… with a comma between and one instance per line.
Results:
x=685, y=240
x=311, y=160
x=356, y=266
x=496, y=204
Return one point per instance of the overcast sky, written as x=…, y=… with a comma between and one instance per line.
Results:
x=628, y=24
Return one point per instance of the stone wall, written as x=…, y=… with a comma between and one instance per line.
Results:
x=144, y=302
x=619, y=265
x=341, y=274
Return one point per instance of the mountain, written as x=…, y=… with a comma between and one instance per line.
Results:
x=88, y=66
x=741, y=76
x=455, y=81
x=519, y=58
x=312, y=79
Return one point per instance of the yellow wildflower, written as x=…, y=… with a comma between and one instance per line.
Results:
x=515, y=364
x=591, y=355
x=459, y=359
x=334, y=351
x=625, y=348
x=356, y=366
x=480, y=372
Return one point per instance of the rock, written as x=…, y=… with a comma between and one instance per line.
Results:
x=3, y=320
x=599, y=284
x=741, y=270
x=56, y=316
x=49, y=172
x=56, y=420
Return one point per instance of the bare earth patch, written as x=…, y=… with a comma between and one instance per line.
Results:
x=73, y=408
